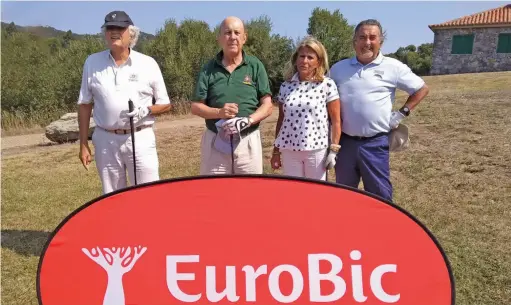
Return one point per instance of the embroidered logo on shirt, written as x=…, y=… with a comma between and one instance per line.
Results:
x=133, y=78
x=247, y=80
x=379, y=73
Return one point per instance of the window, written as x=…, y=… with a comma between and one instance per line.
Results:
x=462, y=44
x=504, y=44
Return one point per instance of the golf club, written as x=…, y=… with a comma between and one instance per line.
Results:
x=131, y=107
x=232, y=157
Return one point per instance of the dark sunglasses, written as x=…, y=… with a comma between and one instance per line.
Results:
x=115, y=28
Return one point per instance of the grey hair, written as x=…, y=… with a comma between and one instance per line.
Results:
x=375, y=22
x=134, y=34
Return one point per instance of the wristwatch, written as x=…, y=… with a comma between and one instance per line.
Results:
x=405, y=110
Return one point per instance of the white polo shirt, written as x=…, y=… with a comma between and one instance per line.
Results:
x=111, y=86
x=367, y=92
x=305, y=124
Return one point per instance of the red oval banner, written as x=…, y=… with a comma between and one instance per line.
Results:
x=240, y=240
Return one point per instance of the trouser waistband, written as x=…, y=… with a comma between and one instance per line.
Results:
x=364, y=138
x=126, y=131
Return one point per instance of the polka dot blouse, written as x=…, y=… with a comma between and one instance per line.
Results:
x=305, y=123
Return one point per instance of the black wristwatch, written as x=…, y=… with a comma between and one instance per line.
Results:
x=405, y=110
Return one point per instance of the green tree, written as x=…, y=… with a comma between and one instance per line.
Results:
x=334, y=32
x=272, y=49
x=10, y=29
x=425, y=49
x=281, y=49
x=259, y=39
x=195, y=46
x=67, y=38
x=411, y=48
x=68, y=68
x=181, y=51
x=162, y=49
x=417, y=58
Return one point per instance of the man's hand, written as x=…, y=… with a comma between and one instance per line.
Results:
x=229, y=111
x=138, y=113
x=85, y=155
x=395, y=118
x=236, y=125
x=331, y=159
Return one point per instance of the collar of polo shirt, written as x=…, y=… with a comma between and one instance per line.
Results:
x=376, y=61
x=127, y=60
x=220, y=56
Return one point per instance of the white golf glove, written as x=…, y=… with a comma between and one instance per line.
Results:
x=395, y=118
x=139, y=113
x=236, y=125
x=331, y=159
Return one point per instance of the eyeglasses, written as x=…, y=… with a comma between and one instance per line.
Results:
x=115, y=28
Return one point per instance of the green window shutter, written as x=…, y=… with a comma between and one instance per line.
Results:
x=462, y=44
x=504, y=43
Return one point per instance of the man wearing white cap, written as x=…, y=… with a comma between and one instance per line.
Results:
x=110, y=79
x=367, y=84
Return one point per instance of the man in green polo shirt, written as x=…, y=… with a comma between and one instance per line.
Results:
x=233, y=95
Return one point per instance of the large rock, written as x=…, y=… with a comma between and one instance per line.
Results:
x=65, y=129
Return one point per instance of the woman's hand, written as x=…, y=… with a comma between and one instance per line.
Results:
x=275, y=161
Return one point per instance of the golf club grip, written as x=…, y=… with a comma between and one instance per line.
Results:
x=130, y=105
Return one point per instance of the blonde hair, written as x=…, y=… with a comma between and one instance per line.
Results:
x=321, y=53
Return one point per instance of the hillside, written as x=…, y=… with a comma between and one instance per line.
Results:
x=51, y=32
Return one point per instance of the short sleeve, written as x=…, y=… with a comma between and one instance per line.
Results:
x=331, y=90
x=406, y=80
x=85, y=95
x=334, y=71
x=263, y=84
x=159, y=89
x=201, y=86
x=280, y=97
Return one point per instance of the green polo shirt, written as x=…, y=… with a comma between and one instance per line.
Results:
x=244, y=86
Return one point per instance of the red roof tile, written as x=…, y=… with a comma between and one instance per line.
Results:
x=497, y=16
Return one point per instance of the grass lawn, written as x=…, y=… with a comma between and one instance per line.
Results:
x=455, y=178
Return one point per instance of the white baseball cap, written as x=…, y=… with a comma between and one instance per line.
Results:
x=398, y=138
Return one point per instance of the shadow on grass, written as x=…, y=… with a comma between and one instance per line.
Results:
x=27, y=243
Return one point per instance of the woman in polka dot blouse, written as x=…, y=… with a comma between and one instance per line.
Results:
x=308, y=103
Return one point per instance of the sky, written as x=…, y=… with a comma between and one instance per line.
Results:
x=405, y=22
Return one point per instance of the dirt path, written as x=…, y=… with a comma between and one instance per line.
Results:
x=23, y=143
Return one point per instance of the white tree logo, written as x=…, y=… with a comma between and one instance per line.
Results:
x=116, y=262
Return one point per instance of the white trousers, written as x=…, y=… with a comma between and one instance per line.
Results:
x=305, y=164
x=248, y=156
x=114, y=156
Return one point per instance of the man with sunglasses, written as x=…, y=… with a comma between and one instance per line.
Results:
x=110, y=79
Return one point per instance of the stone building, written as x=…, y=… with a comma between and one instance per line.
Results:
x=476, y=43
